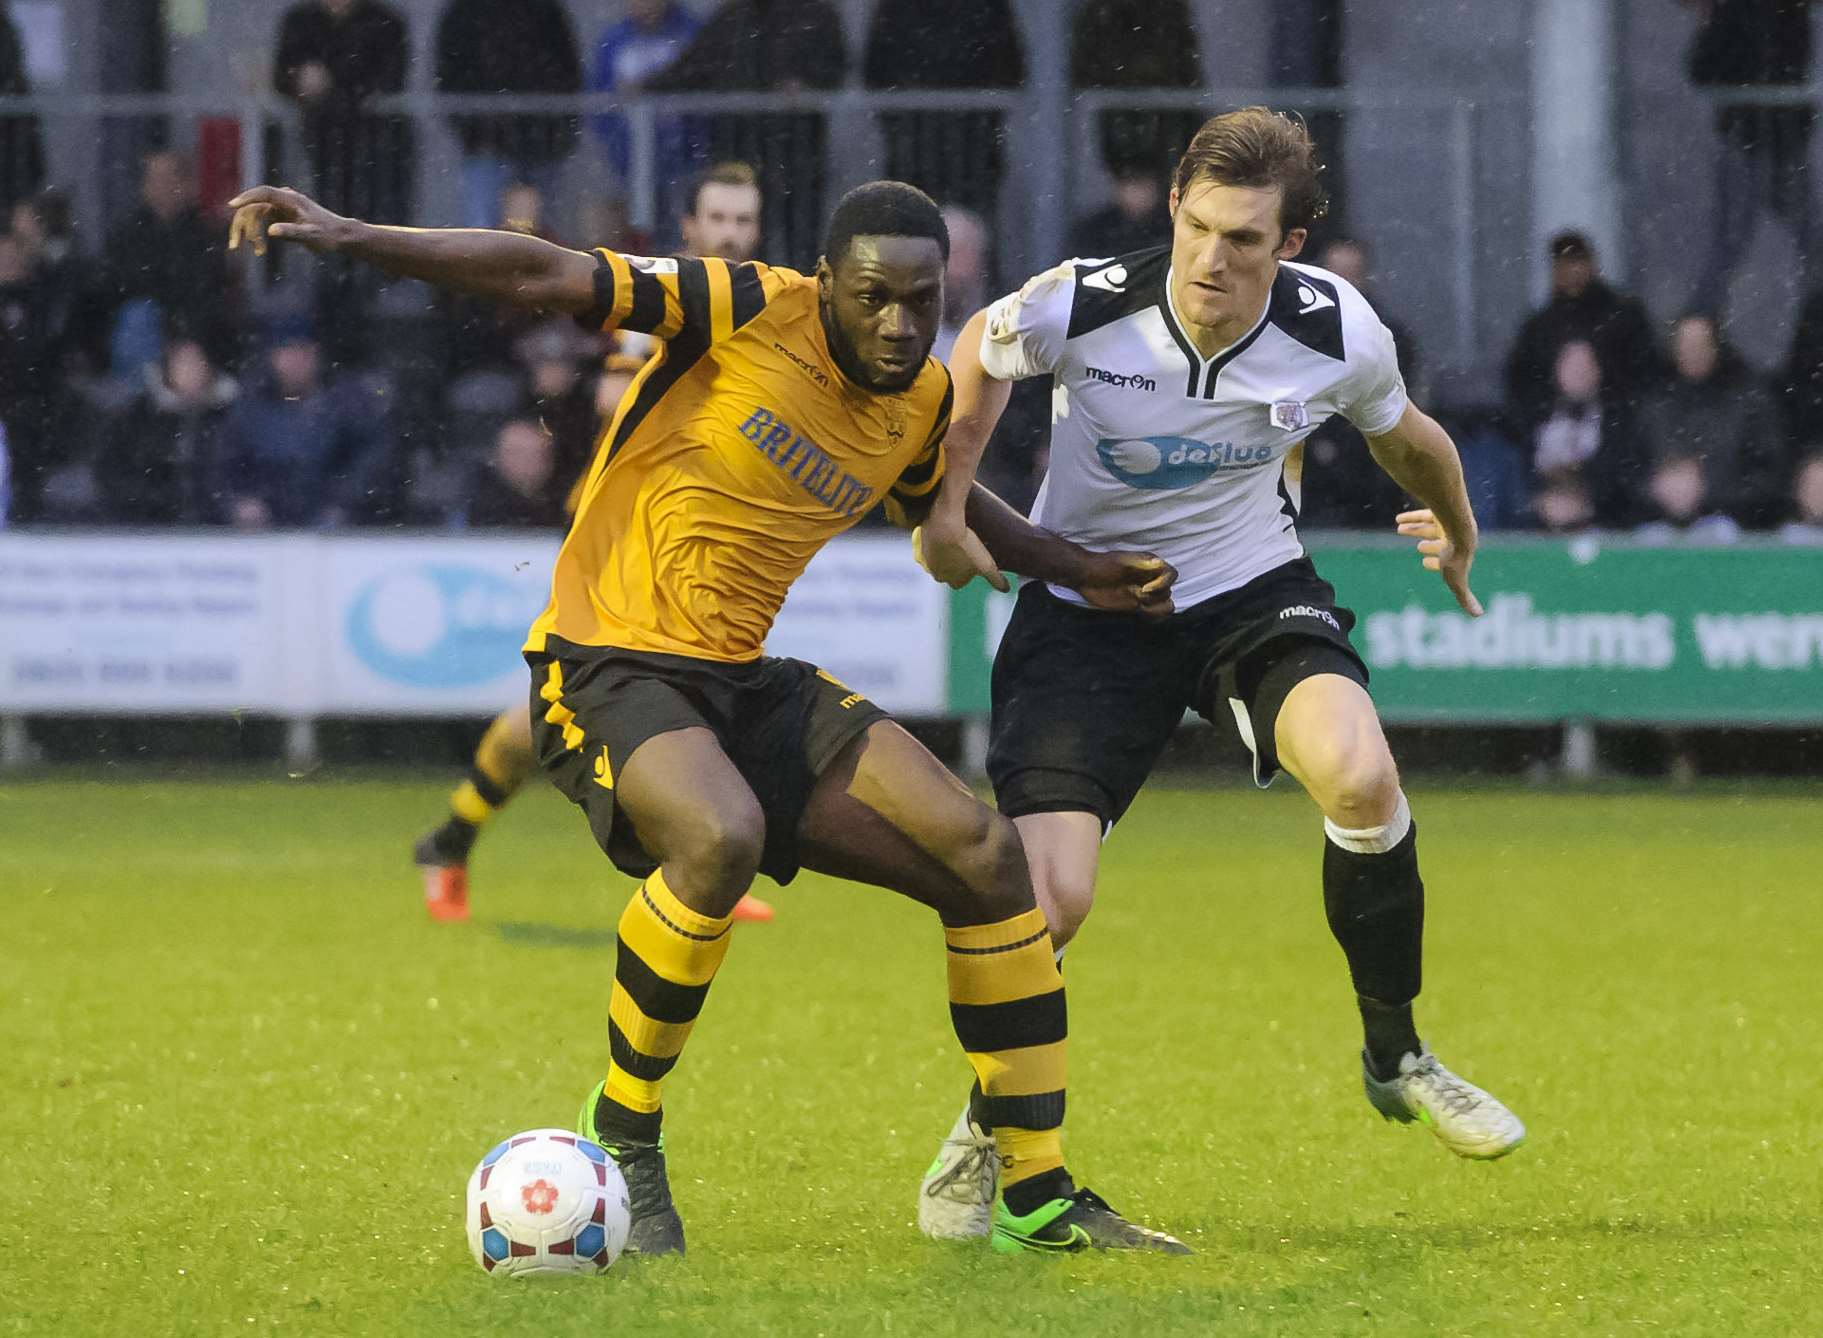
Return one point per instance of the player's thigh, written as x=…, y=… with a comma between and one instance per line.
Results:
x=888, y=813
x=688, y=803
x=1063, y=852
x=1328, y=736
x=1083, y=705
x=518, y=720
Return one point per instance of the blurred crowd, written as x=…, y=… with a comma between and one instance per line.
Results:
x=143, y=382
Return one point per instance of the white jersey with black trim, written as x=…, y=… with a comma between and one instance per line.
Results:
x=1154, y=446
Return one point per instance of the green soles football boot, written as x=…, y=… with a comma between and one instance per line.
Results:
x=654, y=1226
x=1084, y=1221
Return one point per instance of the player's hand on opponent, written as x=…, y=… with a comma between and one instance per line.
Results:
x=1127, y=583
x=282, y=214
x=954, y=554
x=1443, y=555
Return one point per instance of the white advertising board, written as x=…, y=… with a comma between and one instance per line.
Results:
x=428, y=626
x=126, y=623
x=866, y=612
x=307, y=625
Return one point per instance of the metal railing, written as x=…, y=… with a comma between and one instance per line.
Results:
x=822, y=142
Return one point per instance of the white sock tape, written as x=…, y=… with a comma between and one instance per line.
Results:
x=1373, y=840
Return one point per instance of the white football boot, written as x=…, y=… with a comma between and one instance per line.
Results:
x=956, y=1200
x=1466, y=1120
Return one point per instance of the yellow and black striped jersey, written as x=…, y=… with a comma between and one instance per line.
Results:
x=739, y=451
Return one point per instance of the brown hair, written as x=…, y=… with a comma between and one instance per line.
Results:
x=730, y=173
x=1256, y=146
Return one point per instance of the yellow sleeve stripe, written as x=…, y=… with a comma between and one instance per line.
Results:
x=721, y=300
x=674, y=309
x=623, y=286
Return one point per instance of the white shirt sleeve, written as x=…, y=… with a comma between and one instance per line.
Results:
x=1373, y=397
x=1026, y=330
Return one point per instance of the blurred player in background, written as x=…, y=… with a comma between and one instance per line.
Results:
x=723, y=220
x=779, y=411
x=1187, y=377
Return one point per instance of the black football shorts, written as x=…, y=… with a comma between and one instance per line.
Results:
x=1084, y=701
x=780, y=721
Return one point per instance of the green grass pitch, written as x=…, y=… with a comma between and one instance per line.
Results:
x=246, y=1079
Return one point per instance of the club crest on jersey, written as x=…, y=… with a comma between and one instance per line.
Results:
x=1167, y=463
x=1290, y=415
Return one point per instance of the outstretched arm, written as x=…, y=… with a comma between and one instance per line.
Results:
x=505, y=267
x=1422, y=459
x=1121, y=582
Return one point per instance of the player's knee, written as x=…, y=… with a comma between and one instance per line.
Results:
x=1361, y=787
x=718, y=856
x=1066, y=896
x=991, y=864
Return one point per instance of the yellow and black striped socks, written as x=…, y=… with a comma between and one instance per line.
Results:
x=666, y=958
x=1007, y=1005
x=503, y=763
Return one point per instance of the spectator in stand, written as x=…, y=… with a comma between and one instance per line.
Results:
x=948, y=44
x=1762, y=152
x=21, y=145
x=1342, y=486
x=1137, y=44
x=299, y=452
x=562, y=395
x=781, y=46
x=652, y=35
x=1681, y=507
x=1134, y=218
x=1582, y=306
x=722, y=214
x=967, y=277
x=1351, y=258
x=526, y=46
x=29, y=378
x=1584, y=453
x=161, y=460
x=1806, y=524
x=514, y=489
x=1802, y=389
x=479, y=335
x=333, y=56
x=168, y=272
x=1713, y=439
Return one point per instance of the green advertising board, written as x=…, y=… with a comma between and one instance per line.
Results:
x=1585, y=629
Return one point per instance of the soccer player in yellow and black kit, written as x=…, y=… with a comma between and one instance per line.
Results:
x=782, y=407
x=722, y=219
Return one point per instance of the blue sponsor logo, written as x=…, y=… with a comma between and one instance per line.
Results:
x=1165, y=463
x=440, y=626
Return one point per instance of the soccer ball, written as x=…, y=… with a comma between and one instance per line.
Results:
x=546, y=1201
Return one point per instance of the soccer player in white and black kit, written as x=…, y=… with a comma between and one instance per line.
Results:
x=1186, y=378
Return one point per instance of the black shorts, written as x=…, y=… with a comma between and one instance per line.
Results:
x=1085, y=701
x=780, y=722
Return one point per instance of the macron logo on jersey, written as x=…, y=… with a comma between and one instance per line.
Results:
x=1120, y=380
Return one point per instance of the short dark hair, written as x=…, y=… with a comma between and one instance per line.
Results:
x=1570, y=245
x=1258, y=147
x=884, y=209
x=730, y=173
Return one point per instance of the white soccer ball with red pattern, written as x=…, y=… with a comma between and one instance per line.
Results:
x=546, y=1201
